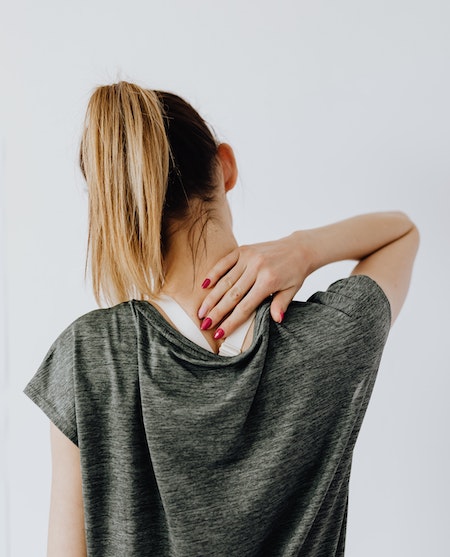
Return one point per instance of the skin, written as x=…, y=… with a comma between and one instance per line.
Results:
x=66, y=535
x=383, y=244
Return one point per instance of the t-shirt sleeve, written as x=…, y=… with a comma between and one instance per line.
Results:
x=356, y=296
x=52, y=386
x=363, y=305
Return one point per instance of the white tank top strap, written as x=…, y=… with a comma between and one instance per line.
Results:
x=182, y=321
x=232, y=345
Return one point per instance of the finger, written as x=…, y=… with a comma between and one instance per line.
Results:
x=280, y=303
x=244, y=309
x=222, y=287
x=225, y=295
x=220, y=269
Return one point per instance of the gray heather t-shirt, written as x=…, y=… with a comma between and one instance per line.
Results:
x=185, y=453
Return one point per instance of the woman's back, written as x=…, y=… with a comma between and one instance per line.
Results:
x=184, y=452
x=161, y=447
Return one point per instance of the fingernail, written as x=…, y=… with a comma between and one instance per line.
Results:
x=206, y=324
x=202, y=312
x=281, y=316
x=206, y=283
x=219, y=334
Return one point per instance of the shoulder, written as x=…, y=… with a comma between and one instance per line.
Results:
x=94, y=332
x=82, y=361
x=115, y=320
x=96, y=319
x=357, y=296
x=353, y=310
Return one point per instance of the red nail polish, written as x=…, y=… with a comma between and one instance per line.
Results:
x=219, y=334
x=281, y=316
x=206, y=323
x=206, y=283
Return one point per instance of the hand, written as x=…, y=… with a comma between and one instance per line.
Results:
x=240, y=281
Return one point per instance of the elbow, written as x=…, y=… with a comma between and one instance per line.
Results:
x=401, y=215
x=412, y=227
x=412, y=232
x=412, y=239
x=415, y=235
x=409, y=225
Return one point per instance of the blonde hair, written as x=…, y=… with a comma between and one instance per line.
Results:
x=124, y=156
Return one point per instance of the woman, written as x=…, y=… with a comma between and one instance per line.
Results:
x=195, y=425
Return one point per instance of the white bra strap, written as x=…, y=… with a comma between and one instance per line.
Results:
x=232, y=345
x=182, y=321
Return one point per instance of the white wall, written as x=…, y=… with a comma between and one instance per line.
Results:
x=4, y=380
x=334, y=108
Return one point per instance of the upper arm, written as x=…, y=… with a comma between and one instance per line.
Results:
x=391, y=267
x=66, y=534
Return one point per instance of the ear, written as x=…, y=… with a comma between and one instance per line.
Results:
x=228, y=164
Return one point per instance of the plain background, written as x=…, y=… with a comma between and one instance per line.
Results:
x=334, y=108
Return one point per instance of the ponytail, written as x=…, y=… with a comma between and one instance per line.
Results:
x=124, y=157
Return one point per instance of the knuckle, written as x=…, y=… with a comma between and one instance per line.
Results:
x=243, y=309
x=259, y=260
x=228, y=282
x=235, y=293
x=216, y=315
x=270, y=279
x=220, y=310
x=272, y=284
x=209, y=301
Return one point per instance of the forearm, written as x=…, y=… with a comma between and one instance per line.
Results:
x=354, y=238
x=240, y=281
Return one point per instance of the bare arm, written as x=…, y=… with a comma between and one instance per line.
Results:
x=66, y=534
x=385, y=244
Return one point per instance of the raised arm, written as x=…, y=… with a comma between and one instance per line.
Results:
x=384, y=244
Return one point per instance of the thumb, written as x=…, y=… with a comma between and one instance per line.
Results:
x=280, y=302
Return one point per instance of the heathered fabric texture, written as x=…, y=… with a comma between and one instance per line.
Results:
x=185, y=453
